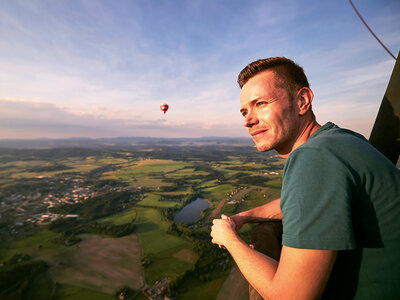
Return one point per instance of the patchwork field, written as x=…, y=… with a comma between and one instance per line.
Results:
x=38, y=244
x=153, y=200
x=121, y=218
x=169, y=255
x=18, y=169
x=204, y=291
x=98, y=265
x=71, y=292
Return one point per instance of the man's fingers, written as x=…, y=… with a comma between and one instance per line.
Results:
x=219, y=245
x=224, y=217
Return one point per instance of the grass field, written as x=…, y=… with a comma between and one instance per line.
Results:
x=185, y=173
x=95, y=263
x=38, y=245
x=112, y=160
x=215, y=194
x=151, y=199
x=101, y=264
x=97, y=266
x=70, y=292
x=147, y=181
x=164, y=250
x=42, y=287
x=151, y=166
x=18, y=169
x=149, y=173
x=120, y=218
x=208, y=184
x=196, y=290
x=182, y=190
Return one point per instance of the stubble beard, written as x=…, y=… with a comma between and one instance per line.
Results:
x=264, y=146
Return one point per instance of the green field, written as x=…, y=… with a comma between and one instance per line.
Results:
x=97, y=266
x=100, y=264
x=120, y=218
x=159, y=246
x=38, y=244
x=154, y=200
x=197, y=290
x=17, y=169
x=149, y=167
x=217, y=192
x=41, y=287
x=70, y=292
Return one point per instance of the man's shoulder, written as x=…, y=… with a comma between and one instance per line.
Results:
x=339, y=147
x=331, y=133
x=331, y=139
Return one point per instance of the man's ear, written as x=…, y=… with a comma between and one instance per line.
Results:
x=304, y=99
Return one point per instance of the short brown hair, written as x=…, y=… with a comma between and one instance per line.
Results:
x=291, y=74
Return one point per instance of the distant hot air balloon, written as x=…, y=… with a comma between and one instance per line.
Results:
x=164, y=107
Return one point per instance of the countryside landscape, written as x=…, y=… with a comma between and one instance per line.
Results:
x=126, y=218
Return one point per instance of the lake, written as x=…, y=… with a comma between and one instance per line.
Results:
x=192, y=211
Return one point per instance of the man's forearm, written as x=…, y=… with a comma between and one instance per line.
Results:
x=270, y=210
x=256, y=267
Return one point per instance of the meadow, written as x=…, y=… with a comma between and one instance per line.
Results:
x=98, y=265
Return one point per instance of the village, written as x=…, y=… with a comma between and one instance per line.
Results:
x=32, y=206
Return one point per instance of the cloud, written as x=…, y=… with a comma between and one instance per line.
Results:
x=104, y=69
x=353, y=97
x=27, y=119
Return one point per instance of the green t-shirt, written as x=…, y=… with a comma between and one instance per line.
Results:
x=340, y=193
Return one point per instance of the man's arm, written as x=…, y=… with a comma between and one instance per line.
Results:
x=300, y=274
x=271, y=210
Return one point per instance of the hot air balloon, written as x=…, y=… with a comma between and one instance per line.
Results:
x=164, y=107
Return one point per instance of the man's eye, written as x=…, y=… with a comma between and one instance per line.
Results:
x=261, y=103
x=244, y=113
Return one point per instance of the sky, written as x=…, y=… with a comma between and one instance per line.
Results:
x=102, y=68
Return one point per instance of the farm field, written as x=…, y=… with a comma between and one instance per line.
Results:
x=37, y=244
x=95, y=264
x=100, y=264
x=152, y=199
x=169, y=255
x=70, y=292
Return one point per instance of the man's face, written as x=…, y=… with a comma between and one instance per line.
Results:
x=270, y=117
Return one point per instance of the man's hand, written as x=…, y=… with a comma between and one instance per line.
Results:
x=262, y=213
x=223, y=231
x=238, y=220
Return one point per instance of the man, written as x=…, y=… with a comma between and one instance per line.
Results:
x=340, y=199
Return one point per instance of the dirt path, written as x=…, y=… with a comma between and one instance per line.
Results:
x=216, y=210
x=235, y=194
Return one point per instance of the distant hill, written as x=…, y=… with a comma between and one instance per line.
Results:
x=122, y=142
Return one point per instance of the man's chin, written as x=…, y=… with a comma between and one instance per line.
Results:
x=262, y=147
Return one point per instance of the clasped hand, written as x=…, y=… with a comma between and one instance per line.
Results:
x=223, y=231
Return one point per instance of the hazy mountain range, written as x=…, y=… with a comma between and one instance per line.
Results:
x=121, y=142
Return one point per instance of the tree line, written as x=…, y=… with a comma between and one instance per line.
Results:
x=211, y=258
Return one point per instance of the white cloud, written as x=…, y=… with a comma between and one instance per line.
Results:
x=102, y=69
x=27, y=119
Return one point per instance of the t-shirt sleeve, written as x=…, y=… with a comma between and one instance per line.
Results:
x=316, y=201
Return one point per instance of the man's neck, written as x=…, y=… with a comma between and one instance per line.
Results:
x=303, y=136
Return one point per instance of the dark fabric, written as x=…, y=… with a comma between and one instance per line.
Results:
x=267, y=239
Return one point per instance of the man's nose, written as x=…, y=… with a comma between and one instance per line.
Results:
x=250, y=119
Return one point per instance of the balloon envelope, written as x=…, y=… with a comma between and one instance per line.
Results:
x=164, y=107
